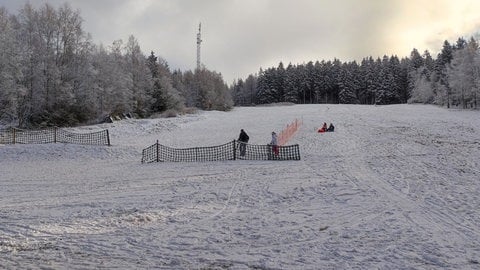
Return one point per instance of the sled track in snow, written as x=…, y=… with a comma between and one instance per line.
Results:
x=385, y=170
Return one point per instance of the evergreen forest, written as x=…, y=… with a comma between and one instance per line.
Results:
x=450, y=79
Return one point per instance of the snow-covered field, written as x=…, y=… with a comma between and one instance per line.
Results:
x=394, y=187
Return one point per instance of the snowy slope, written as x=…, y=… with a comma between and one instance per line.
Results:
x=395, y=187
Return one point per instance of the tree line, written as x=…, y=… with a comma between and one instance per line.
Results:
x=51, y=73
x=452, y=79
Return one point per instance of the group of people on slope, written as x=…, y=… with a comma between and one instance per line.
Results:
x=324, y=128
x=243, y=139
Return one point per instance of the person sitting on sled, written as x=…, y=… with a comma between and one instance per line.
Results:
x=330, y=128
x=323, y=129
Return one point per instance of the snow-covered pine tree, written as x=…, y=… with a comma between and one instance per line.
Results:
x=443, y=91
x=164, y=95
x=237, y=92
x=250, y=88
x=349, y=84
x=267, y=83
x=280, y=82
x=292, y=84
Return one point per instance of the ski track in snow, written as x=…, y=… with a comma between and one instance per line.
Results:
x=394, y=187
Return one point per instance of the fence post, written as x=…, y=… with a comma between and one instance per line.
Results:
x=54, y=134
x=14, y=139
x=297, y=152
x=108, y=138
x=234, y=150
x=157, y=151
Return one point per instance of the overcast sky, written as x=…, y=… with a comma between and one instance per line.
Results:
x=240, y=36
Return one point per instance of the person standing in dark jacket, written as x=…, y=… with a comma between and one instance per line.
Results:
x=243, y=139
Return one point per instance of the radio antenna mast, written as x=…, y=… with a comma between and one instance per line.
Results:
x=199, y=41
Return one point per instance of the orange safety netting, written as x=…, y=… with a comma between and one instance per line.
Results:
x=288, y=132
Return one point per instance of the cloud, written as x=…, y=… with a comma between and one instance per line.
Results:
x=424, y=24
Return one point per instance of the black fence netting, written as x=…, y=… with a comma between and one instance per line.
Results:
x=53, y=135
x=229, y=151
x=95, y=138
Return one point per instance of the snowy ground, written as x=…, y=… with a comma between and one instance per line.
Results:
x=395, y=187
